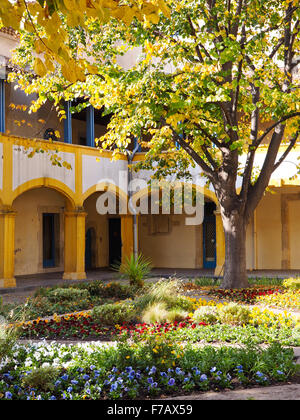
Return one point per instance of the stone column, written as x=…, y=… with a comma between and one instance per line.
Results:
x=75, y=245
x=7, y=248
x=220, y=244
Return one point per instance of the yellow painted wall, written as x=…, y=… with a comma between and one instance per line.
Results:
x=28, y=231
x=294, y=216
x=181, y=248
x=269, y=232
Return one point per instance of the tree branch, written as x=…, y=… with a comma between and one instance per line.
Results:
x=287, y=151
x=268, y=130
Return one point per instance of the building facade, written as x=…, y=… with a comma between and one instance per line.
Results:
x=48, y=212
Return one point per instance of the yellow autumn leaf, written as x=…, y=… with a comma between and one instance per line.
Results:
x=39, y=67
x=70, y=5
x=68, y=73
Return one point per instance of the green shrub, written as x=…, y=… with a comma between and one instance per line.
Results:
x=207, y=314
x=117, y=291
x=234, y=314
x=291, y=283
x=69, y=294
x=111, y=314
x=42, y=378
x=181, y=303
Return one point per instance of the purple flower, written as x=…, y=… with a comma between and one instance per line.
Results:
x=171, y=382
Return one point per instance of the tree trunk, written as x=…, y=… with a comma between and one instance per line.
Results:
x=235, y=274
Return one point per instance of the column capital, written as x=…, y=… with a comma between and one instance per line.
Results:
x=75, y=213
x=7, y=211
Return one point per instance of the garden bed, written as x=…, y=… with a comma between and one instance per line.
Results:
x=157, y=342
x=127, y=372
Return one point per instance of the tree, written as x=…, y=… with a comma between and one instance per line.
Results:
x=217, y=77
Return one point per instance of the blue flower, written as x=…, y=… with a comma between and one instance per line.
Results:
x=213, y=369
x=150, y=380
x=152, y=370
x=279, y=372
x=171, y=382
x=74, y=382
x=92, y=367
x=52, y=398
x=70, y=389
x=114, y=387
x=131, y=374
x=163, y=374
x=203, y=378
x=86, y=377
x=8, y=395
x=65, y=377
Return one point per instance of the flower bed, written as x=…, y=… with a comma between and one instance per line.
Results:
x=289, y=299
x=52, y=372
x=262, y=327
x=248, y=295
x=83, y=326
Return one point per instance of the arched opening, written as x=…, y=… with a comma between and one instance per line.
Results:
x=39, y=231
x=103, y=233
x=170, y=241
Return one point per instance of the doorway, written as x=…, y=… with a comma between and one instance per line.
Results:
x=49, y=240
x=115, y=243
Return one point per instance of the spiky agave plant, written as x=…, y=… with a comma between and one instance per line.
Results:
x=134, y=269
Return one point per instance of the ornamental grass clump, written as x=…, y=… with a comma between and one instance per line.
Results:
x=8, y=339
x=158, y=313
x=166, y=292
